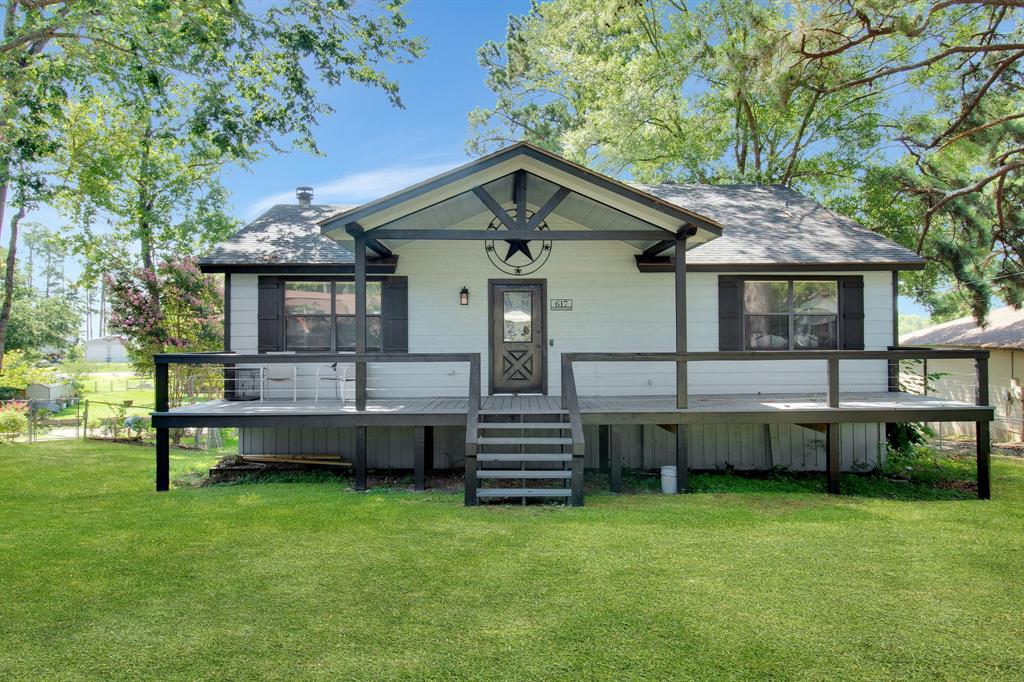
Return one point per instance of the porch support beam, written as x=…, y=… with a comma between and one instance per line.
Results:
x=519, y=198
x=549, y=206
x=683, y=458
x=423, y=455
x=359, y=238
x=680, y=295
x=982, y=434
x=493, y=206
x=163, y=446
x=832, y=457
x=660, y=247
x=442, y=234
x=359, y=459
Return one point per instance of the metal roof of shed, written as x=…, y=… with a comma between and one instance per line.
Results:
x=1005, y=330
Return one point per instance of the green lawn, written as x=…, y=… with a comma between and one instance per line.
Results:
x=102, y=578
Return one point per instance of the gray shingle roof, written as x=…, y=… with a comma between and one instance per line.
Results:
x=764, y=225
x=1005, y=330
x=770, y=224
x=286, y=234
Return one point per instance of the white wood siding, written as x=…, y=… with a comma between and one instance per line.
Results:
x=615, y=309
x=1005, y=370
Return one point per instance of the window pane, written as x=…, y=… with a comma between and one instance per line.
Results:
x=766, y=297
x=518, y=316
x=307, y=298
x=347, y=333
x=815, y=331
x=345, y=298
x=307, y=332
x=817, y=298
x=767, y=332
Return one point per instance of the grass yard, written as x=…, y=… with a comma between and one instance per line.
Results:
x=102, y=578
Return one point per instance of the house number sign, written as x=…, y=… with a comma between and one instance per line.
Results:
x=561, y=304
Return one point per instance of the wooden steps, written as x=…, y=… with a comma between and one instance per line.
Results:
x=497, y=456
x=524, y=441
x=524, y=492
x=523, y=473
x=524, y=457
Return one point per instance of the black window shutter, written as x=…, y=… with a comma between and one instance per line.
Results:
x=269, y=315
x=395, y=301
x=730, y=314
x=851, y=305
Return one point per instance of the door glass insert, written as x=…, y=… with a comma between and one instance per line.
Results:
x=518, y=316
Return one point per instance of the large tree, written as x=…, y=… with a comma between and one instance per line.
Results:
x=662, y=92
x=212, y=83
x=811, y=95
x=958, y=67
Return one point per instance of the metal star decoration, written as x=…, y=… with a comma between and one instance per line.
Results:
x=518, y=246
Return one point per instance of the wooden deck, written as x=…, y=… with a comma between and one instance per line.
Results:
x=703, y=409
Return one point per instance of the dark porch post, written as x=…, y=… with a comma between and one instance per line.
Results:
x=359, y=245
x=982, y=436
x=163, y=446
x=682, y=441
x=680, y=270
x=832, y=455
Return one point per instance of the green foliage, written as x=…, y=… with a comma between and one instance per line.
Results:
x=664, y=92
x=19, y=371
x=38, y=321
x=13, y=423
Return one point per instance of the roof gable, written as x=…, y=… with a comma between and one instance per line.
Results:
x=504, y=163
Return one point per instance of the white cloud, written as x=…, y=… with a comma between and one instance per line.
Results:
x=358, y=187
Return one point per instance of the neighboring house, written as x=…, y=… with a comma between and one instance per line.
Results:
x=53, y=396
x=563, y=299
x=106, y=349
x=1004, y=337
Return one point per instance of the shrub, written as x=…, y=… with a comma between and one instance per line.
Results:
x=12, y=424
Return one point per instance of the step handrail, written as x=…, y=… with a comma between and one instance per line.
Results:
x=571, y=402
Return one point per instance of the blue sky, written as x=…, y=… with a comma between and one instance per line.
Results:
x=371, y=148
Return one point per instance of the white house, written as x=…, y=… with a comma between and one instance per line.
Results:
x=1004, y=338
x=106, y=349
x=524, y=311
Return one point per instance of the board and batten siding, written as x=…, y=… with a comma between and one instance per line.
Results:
x=744, y=447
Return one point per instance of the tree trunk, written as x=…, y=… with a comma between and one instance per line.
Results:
x=12, y=263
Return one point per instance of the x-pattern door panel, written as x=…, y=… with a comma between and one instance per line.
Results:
x=517, y=335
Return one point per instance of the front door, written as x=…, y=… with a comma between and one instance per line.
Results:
x=517, y=337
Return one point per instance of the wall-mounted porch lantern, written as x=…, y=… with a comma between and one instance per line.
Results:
x=464, y=296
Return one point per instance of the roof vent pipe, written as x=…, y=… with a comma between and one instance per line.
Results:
x=304, y=195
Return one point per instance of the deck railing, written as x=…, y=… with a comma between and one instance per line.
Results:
x=831, y=358
x=229, y=359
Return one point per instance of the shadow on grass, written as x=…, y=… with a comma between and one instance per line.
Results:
x=951, y=478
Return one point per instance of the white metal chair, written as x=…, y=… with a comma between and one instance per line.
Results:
x=279, y=373
x=336, y=373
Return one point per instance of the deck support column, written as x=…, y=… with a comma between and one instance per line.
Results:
x=163, y=442
x=832, y=455
x=603, y=446
x=470, y=499
x=680, y=282
x=984, y=449
x=682, y=458
x=423, y=455
x=359, y=246
x=982, y=436
x=359, y=459
x=576, y=498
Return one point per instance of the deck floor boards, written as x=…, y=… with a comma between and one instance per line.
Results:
x=768, y=408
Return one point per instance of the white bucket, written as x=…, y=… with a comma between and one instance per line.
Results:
x=669, y=484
